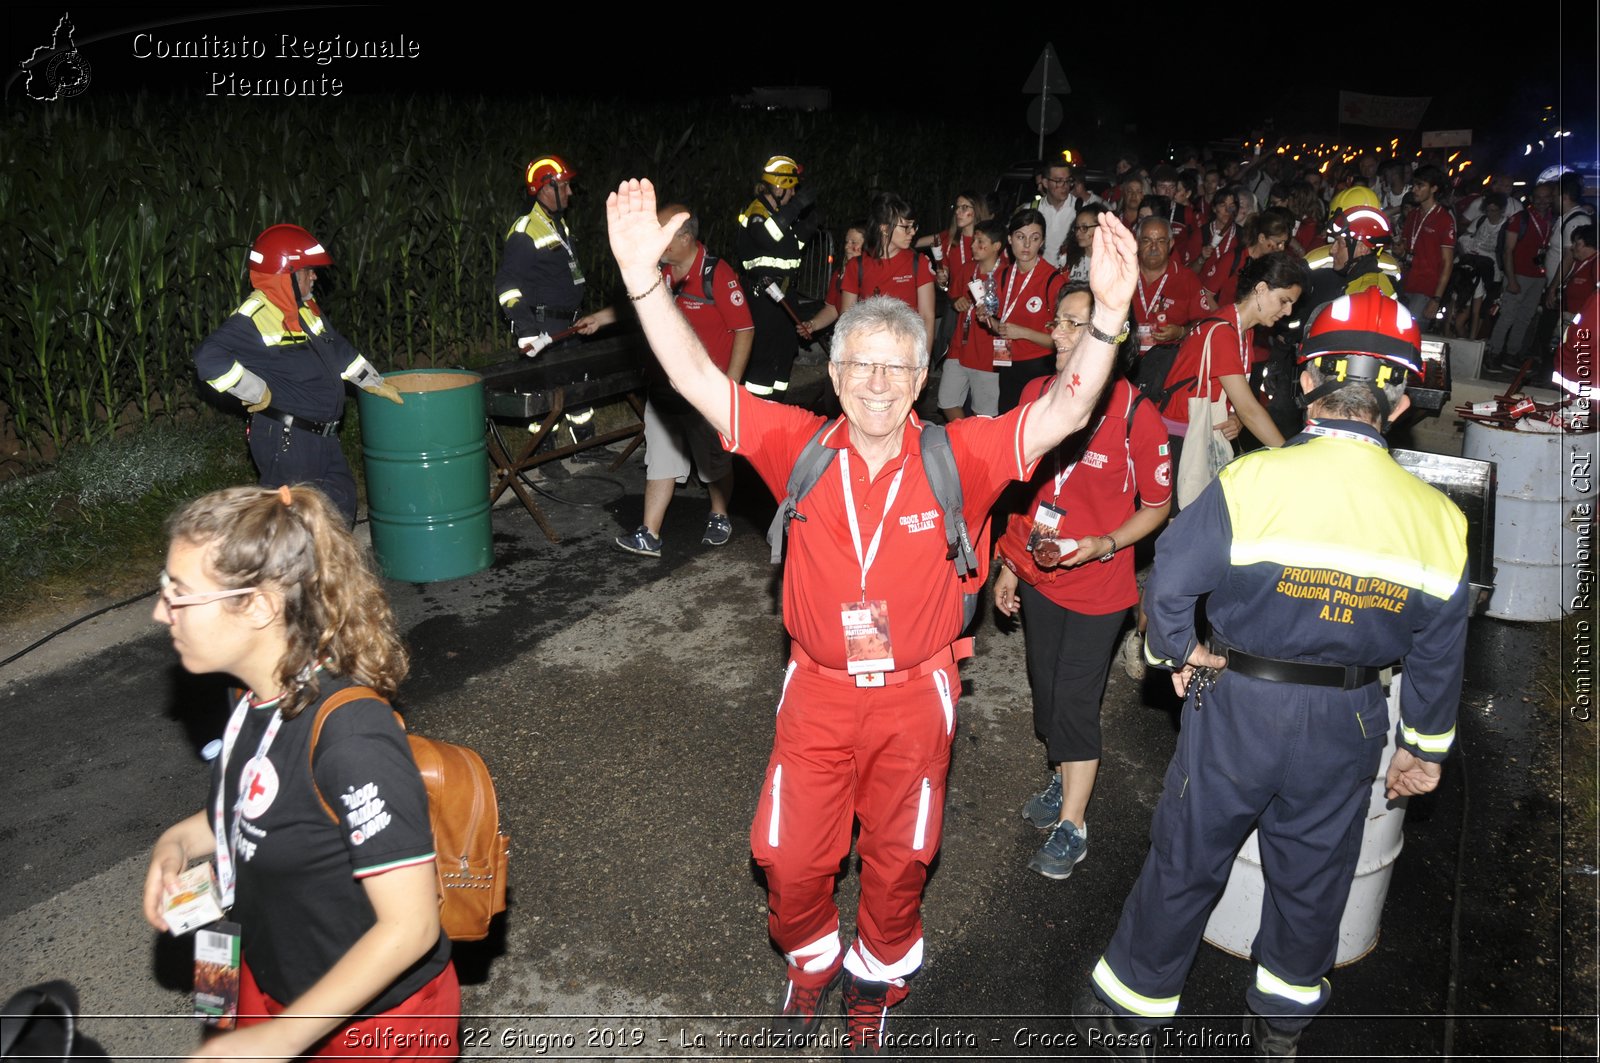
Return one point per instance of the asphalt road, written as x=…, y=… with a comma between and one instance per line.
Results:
x=625, y=707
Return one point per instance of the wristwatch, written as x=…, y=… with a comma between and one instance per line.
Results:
x=1109, y=554
x=1103, y=338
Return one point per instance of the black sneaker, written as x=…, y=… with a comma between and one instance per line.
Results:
x=1105, y=1031
x=866, y=1012
x=801, y=1011
x=1269, y=1041
x=719, y=529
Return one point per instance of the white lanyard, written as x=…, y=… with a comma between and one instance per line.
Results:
x=1312, y=428
x=865, y=560
x=1416, y=234
x=1145, y=303
x=228, y=839
x=1062, y=474
x=1225, y=241
x=1011, y=277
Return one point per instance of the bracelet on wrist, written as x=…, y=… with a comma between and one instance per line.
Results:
x=647, y=291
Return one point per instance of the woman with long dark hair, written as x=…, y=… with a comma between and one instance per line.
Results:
x=1268, y=289
x=339, y=917
x=889, y=266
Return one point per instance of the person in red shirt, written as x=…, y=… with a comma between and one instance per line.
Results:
x=1167, y=297
x=1022, y=348
x=889, y=266
x=969, y=369
x=1579, y=281
x=1428, y=247
x=856, y=739
x=1525, y=238
x=1074, y=601
x=1219, y=236
x=1265, y=232
x=1268, y=289
x=855, y=241
x=708, y=293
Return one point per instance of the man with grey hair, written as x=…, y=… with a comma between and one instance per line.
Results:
x=873, y=606
x=1324, y=562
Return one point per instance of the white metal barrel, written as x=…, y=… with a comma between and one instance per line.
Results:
x=1545, y=479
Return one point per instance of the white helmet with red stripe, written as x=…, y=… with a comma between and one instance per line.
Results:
x=1369, y=225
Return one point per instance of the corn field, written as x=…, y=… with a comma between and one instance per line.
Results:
x=127, y=220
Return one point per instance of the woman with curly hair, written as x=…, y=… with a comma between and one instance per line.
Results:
x=339, y=917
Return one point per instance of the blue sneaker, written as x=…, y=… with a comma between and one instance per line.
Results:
x=640, y=542
x=1066, y=847
x=719, y=529
x=1043, y=809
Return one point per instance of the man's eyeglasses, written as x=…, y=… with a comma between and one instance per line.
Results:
x=863, y=370
x=178, y=601
x=1068, y=324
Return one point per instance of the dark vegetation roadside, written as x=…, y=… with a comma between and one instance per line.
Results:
x=91, y=527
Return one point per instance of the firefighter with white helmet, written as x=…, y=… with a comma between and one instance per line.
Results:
x=1324, y=562
x=278, y=355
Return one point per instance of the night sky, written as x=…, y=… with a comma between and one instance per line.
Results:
x=1148, y=82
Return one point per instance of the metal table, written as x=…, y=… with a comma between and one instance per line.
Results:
x=542, y=389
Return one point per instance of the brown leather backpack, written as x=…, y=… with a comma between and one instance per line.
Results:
x=472, y=856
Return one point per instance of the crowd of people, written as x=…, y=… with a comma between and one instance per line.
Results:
x=1077, y=337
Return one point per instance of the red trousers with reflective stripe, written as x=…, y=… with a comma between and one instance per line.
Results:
x=425, y=1024
x=843, y=753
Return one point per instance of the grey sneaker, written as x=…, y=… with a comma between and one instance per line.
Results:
x=1044, y=808
x=1064, y=850
x=719, y=529
x=640, y=542
x=1131, y=655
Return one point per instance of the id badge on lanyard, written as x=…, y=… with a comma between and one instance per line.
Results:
x=868, y=646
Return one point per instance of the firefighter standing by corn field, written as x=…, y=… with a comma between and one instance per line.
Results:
x=279, y=356
x=773, y=232
x=540, y=285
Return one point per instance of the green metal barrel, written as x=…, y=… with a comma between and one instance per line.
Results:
x=427, y=476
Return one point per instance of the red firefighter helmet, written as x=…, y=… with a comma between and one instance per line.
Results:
x=547, y=169
x=286, y=248
x=1366, y=338
x=1367, y=224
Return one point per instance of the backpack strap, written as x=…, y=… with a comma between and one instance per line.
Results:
x=939, y=465
x=334, y=700
x=813, y=461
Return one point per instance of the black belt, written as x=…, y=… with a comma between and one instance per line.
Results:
x=546, y=313
x=305, y=424
x=1345, y=677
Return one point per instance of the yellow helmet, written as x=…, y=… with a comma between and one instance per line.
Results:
x=1354, y=196
x=781, y=171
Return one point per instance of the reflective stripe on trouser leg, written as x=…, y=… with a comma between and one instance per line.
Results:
x=820, y=955
x=902, y=761
x=801, y=831
x=772, y=348
x=1125, y=1000
x=1310, y=845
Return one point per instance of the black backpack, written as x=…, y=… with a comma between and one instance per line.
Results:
x=938, y=464
x=1151, y=369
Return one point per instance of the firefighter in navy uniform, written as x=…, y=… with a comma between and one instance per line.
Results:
x=773, y=232
x=1325, y=561
x=540, y=285
x=279, y=356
